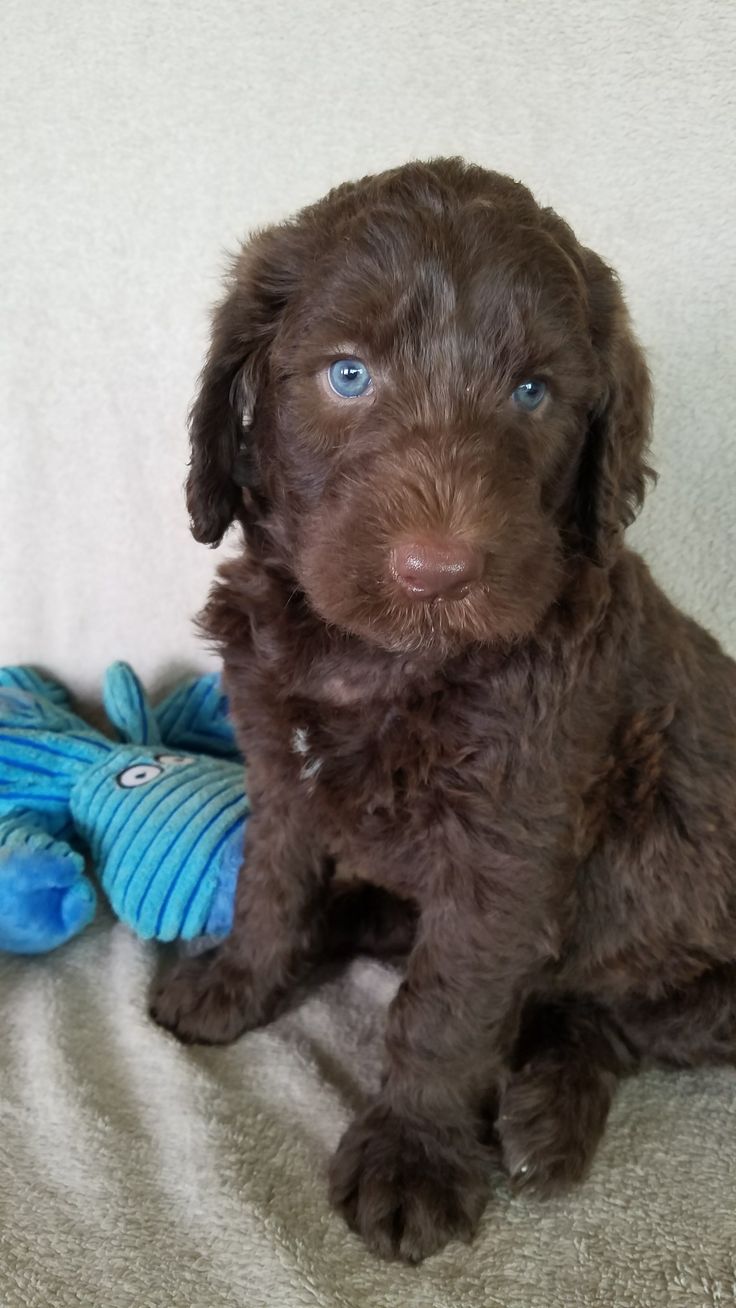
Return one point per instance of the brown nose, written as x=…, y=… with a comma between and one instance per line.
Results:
x=428, y=569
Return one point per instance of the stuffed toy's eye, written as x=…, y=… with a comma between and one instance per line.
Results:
x=349, y=378
x=529, y=395
x=173, y=758
x=139, y=775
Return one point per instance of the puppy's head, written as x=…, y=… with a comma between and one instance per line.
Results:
x=424, y=399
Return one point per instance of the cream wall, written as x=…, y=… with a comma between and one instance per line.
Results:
x=142, y=139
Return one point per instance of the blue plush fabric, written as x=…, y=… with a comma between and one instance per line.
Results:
x=164, y=829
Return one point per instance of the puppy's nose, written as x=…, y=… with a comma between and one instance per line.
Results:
x=428, y=569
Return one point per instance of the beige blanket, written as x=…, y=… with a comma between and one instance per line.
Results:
x=135, y=1173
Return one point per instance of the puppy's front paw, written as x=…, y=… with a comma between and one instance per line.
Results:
x=205, y=1001
x=408, y=1189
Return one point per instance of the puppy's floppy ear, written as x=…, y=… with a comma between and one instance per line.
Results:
x=613, y=470
x=262, y=279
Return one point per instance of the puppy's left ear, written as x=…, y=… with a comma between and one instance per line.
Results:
x=613, y=472
x=264, y=277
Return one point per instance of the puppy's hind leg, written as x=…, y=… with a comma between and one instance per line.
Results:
x=694, y=1025
x=554, y=1103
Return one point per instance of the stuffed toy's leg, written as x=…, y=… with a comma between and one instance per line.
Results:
x=45, y=898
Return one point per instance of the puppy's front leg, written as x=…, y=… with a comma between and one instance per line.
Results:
x=411, y=1172
x=214, y=998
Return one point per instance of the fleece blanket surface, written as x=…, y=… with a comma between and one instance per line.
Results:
x=135, y=1173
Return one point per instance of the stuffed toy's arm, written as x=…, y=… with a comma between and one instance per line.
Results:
x=45, y=898
x=194, y=717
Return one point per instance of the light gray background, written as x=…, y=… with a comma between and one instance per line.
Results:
x=141, y=140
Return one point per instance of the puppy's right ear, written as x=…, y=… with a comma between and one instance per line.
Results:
x=262, y=280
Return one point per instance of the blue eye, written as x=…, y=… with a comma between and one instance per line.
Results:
x=349, y=378
x=529, y=395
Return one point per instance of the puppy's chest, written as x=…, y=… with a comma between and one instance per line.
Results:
x=391, y=772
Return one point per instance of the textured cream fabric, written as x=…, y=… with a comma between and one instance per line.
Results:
x=138, y=1174
x=140, y=139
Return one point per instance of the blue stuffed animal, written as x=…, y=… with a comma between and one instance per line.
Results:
x=161, y=815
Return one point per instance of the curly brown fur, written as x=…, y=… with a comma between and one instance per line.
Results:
x=534, y=774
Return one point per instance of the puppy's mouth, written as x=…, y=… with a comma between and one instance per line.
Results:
x=411, y=622
x=437, y=614
x=404, y=619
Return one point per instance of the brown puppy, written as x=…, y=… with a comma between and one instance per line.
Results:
x=425, y=407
